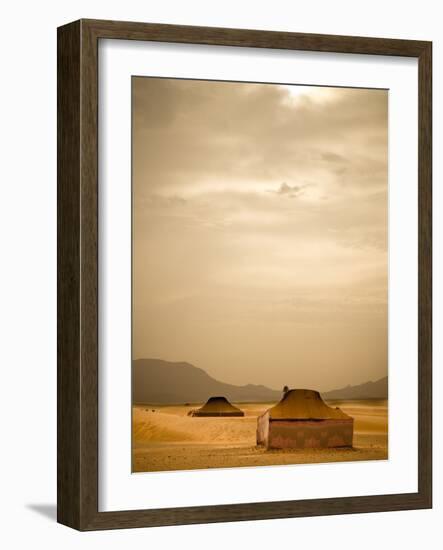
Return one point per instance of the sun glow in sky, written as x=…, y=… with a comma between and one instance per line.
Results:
x=316, y=94
x=260, y=230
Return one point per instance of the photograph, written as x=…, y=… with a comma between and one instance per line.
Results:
x=259, y=274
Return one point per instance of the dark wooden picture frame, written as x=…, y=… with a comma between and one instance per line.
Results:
x=77, y=173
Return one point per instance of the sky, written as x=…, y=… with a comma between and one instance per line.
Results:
x=260, y=230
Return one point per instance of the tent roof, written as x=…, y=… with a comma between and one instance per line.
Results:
x=218, y=404
x=304, y=405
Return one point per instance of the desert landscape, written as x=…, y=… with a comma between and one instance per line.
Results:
x=166, y=438
x=259, y=274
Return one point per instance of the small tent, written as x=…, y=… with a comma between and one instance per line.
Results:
x=217, y=406
x=303, y=420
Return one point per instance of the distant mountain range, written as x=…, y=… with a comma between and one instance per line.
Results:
x=163, y=382
x=368, y=390
x=157, y=381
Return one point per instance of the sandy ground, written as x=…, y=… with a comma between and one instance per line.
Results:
x=165, y=438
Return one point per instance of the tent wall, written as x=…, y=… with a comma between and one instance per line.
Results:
x=304, y=434
x=263, y=429
x=214, y=413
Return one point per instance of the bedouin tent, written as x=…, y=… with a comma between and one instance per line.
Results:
x=217, y=406
x=303, y=420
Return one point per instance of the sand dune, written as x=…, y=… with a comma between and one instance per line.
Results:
x=165, y=438
x=162, y=426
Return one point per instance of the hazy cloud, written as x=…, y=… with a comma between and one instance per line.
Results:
x=288, y=190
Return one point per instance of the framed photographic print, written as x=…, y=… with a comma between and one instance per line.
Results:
x=244, y=275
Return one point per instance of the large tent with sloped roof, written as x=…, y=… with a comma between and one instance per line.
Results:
x=217, y=406
x=303, y=420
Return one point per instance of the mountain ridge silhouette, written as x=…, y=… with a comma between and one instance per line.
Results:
x=165, y=382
